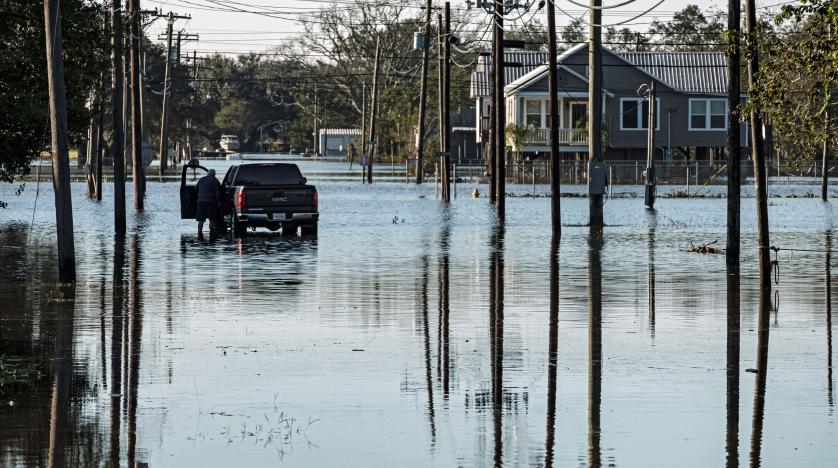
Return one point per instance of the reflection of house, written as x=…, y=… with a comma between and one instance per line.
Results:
x=691, y=102
x=335, y=141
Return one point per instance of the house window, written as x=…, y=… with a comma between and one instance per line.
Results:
x=579, y=114
x=708, y=114
x=532, y=112
x=634, y=114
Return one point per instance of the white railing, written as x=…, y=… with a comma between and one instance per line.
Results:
x=567, y=136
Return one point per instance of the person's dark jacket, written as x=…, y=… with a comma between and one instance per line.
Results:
x=209, y=189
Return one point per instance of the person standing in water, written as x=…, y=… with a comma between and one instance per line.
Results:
x=209, y=197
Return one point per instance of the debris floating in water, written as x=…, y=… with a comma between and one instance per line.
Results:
x=705, y=248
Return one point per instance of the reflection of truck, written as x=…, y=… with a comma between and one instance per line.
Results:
x=230, y=142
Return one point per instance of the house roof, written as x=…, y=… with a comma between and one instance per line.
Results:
x=340, y=131
x=686, y=72
x=480, y=78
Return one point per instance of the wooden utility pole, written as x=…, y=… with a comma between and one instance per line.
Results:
x=374, y=109
x=60, y=149
x=136, y=107
x=734, y=151
x=118, y=132
x=499, y=113
x=440, y=68
x=650, y=148
x=445, y=158
x=553, y=103
x=758, y=154
x=595, y=201
x=316, y=139
x=168, y=86
x=363, y=119
x=167, y=93
x=826, y=142
x=423, y=94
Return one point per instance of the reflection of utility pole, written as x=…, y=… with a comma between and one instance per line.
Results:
x=168, y=82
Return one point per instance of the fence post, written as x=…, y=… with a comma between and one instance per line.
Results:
x=454, y=169
x=610, y=180
x=688, y=179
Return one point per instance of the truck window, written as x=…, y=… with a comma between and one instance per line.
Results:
x=268, y=174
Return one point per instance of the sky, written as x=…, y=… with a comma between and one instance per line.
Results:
x=223, y=27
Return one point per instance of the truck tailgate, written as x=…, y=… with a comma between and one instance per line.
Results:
x=276, y=198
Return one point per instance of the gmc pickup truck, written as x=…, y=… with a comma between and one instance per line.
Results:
x=270, y=195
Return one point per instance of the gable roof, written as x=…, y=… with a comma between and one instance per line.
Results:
x=480, y=78
x=685, y=72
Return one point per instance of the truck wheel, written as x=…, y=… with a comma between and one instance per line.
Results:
x=289, y=230
x=309, y=230
x=238, y=228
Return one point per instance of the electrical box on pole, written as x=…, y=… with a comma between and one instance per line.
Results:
x=418, y=40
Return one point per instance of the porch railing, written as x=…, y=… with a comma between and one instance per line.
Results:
x=567, y=136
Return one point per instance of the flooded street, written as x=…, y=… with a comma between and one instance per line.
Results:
x=408, y=333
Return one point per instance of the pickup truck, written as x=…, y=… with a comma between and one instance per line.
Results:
x=269, y=195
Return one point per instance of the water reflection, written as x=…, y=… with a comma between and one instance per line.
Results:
x=828, y=274
x=595, y=349
x=427, y=338
x=732, y=393
x=763, y=334
x=651, y=272
x=118, y=309
x=61, y=311
x=135, y=349
x=496, y=338
x=552, y=352
x=444, y=307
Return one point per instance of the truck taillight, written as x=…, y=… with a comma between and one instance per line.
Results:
x=240, y=199
x=315, y=199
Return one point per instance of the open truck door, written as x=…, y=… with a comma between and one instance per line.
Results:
x=188, y=192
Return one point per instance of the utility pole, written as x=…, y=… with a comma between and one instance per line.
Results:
x=595, y=195
x=423, y=95
x=825, y=168
x=499, y=113
x=734, y=151
x=553, y=102
x=363, y=118
x=118, y=132
x=60, y=149
x=650, y=149
x=168, y=85
x=445, y=159
x=136, y=85
x=316, y=138
x=758, y=154
x=374, y=109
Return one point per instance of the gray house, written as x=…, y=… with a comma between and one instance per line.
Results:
x=691, y=102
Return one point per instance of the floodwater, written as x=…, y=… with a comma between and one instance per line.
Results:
x=413, y=334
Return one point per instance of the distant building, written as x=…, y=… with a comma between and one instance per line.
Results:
x=691, y=102
x=335, y=141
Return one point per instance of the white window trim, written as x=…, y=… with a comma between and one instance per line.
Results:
x=640, y=114
x=542, y=107
x=707, y=115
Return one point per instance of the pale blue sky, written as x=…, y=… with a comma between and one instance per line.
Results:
x=238, y=32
